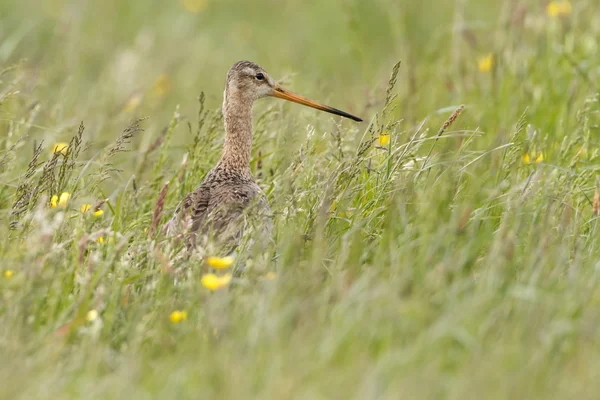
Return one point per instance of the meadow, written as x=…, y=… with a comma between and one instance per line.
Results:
x=444, y=248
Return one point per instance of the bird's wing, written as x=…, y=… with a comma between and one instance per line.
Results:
x=191, y=211
x=198, y=204
x=227, y=214
x=195, y=207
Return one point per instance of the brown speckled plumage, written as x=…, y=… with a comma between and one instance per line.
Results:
x=219, y=206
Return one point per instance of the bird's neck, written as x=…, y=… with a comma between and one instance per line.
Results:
x=238, y=135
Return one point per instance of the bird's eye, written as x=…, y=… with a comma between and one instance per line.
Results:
x=260, y=76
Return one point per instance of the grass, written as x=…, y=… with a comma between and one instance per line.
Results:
x=450, y=261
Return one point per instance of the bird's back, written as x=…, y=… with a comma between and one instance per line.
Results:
x=219, y=208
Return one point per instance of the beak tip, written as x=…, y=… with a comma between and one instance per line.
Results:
x=282, y=93
x=352, y=117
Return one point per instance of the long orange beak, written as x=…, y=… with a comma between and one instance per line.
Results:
x=285, y=94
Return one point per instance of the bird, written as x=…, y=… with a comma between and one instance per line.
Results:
x=220, y=206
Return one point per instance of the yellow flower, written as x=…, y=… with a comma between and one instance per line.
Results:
x=162, y=85
x=384, y=138
x=486, y=63
x=178, y=316
x=86, y=207
x=61, y=148
x=8, y=273
x=133, y=102
x=559, y=8
x=533, y=157
x=271, y=275
x=220, y=262
x=194, y=6
x=61, y=201
x=215, y=282
x=101, y=240
x=91, y=315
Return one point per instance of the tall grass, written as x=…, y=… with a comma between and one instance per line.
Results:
x=445, y=248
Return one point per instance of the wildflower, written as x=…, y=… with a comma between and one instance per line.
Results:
x=162, y=85
x=61, y=148
x=178, y=316
x=133, y=102
x=384, y=138
x=271, y=275
x=101, y=240
x=486, y=63
x=86, y=207
x=559, y=8
x=194, y=6
x=91, y=315
x=220, y=262
x=533, y=157
x=215, y=282
x=60, y=201
x=8, y=273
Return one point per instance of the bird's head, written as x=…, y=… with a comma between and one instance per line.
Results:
x=248, y=82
